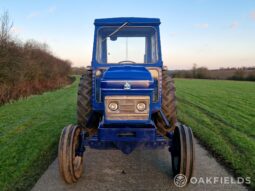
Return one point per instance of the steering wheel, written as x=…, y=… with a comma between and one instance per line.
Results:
x=126, y=61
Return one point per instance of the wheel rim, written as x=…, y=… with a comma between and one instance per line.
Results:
x=77, y=161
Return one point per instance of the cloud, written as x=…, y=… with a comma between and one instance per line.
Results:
x=253, y=15
x=202, y=25
x=44, y=12
x=234, y=25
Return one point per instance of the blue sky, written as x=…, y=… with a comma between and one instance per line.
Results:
x=211, y=33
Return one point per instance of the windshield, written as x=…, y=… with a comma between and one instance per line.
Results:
x=127, y=45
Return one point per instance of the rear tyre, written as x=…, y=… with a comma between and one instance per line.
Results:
x=182, y=152
x=168, y=104
x=70, y=164
x=84, y=108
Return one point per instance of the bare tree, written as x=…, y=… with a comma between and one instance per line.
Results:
x=194, y=70
x=6, y=27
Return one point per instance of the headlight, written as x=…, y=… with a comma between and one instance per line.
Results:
x=98, y=73
x=113, y=106
x=141, y=106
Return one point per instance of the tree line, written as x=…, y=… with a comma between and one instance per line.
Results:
x=27, y=67
x=241, y=74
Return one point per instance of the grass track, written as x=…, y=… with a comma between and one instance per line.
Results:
x=222, y=116
x=29, y=133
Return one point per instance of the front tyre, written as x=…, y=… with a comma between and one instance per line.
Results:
x=70, y=164
x=182, y=151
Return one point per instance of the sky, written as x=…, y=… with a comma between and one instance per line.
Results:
x=209, y=33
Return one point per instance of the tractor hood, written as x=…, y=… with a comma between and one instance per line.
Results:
x=127, y=77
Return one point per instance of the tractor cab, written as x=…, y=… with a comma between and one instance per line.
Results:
x=127, y=41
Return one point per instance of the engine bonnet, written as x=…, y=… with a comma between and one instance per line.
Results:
x=127, y=77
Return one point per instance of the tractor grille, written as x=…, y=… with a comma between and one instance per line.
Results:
x=127, y=109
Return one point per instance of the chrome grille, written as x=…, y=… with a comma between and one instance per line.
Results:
x=127, y=108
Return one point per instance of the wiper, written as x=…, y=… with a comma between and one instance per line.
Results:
x=117, y=30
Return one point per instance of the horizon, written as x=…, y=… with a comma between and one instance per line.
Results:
x=201, y=32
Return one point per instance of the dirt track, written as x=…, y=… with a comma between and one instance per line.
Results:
x=142, y=170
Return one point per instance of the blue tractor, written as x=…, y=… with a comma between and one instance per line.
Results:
x=126, y=99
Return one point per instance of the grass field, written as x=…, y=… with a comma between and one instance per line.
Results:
x=29, y=133
x=222, y=116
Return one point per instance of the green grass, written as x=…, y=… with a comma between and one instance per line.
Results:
x=222, y=116
x=29, y=134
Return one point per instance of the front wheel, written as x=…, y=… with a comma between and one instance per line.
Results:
x=70, y=164
x=182, y=151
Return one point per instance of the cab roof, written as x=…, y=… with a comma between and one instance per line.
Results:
x=132, y=21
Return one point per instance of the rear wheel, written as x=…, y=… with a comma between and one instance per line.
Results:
x=182, y=151
x=70, y=164
x=84, y=106
x=168, y=104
